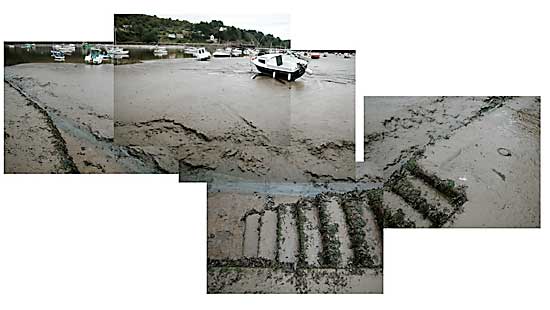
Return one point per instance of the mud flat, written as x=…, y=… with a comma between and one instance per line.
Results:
x=25, y=123
x=219, y=122
x=272, y=242
x=76, y=100
x=456, y=162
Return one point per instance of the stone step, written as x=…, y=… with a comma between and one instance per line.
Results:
x=312, y=246
x=402, y=214
x=268, y=235
x=287, y=234
x=251, y=235
x=336, y=221
x=425, y=199
x=373, y=235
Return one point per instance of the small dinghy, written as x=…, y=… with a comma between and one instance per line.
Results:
x=94, y=57
x=282, y=66
x=219, y=53
x=160, y=51
x=190, y=50
x=315, y=55
x=58, y=56
x=236, y=53
x=202, y=54
x=117, y=51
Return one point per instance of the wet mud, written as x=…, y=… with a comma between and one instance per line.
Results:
x=220, y=124
x=316, y=242
x=449, y=161
x=24, y=123
x=76, y=103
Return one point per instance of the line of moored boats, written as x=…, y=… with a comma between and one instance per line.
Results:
x=94, y=54
x=279, y=64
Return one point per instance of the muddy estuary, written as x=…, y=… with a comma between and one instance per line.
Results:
x=214, y=116
x=224, y=123
x=455, y=161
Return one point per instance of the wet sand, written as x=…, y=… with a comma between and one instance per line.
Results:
x=269, y=240
x=77, y=100
x=222, y=123
x=432, y=150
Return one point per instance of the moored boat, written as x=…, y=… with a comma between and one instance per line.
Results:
x=236, y=52
x=58, y=56
x=160, y=51
x=94, y=57
x=202, y=54
x=219, y=53
x=190, y=50
x=283, y=66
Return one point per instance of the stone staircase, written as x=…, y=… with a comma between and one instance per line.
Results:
x=414, y=197
x=326, y=231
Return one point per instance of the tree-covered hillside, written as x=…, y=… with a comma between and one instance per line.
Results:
x=139, y=28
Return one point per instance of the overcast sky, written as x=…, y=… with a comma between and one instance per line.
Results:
x=276, y=24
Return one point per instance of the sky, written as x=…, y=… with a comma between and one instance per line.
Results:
x=275, y=24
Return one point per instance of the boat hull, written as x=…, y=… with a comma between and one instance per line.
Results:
x=282, y=74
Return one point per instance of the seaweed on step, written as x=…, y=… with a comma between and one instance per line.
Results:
x=397, y=219
x=330, y=256
x=302, y=238
x=353, y=211
x=455, y=194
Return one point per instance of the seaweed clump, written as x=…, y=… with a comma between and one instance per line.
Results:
x=397, y=219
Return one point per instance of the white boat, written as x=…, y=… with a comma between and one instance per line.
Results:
x=116, y=56
x=301, y=55
x=58, y=56
x=160, y=51
x=190, y=50
x=94, y=57
x=202, y=54
x=325, y=54
x=67, y=49
x=284, y=66
x=118, y=51
x=236, y=53
x=347, y=55
x=222, y=53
